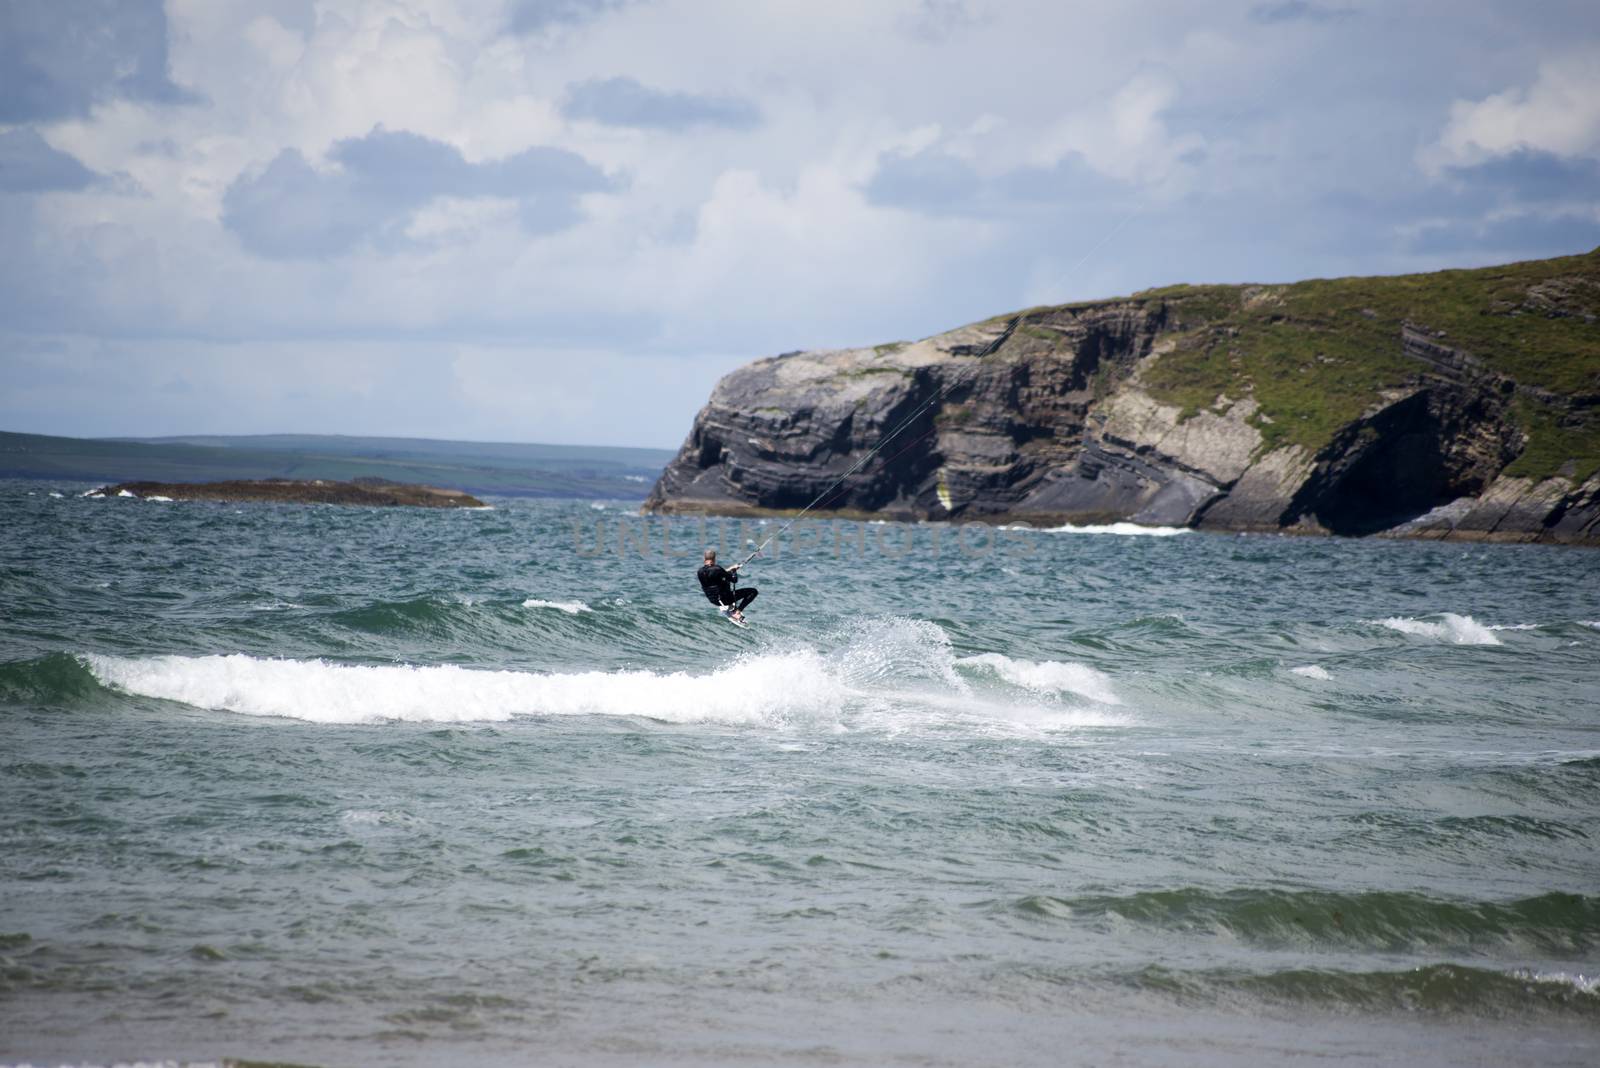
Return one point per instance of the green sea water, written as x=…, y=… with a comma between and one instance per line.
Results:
x=361, y=786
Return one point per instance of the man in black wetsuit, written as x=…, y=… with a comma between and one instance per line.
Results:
x=718, y=586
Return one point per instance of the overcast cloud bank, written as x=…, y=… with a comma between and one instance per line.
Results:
x=563, y=219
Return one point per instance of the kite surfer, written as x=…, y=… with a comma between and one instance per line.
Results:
x=718, y=584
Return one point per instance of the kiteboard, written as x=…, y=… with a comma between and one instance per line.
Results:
x=725, y=614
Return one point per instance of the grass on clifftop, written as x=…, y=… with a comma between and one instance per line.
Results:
x=1559, y=442
x=1318, y=354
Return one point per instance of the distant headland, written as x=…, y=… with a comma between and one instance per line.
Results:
x=501, y=469
x=1461, y=404
x=372, y=492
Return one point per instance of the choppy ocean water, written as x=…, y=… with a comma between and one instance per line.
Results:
x=348, y=786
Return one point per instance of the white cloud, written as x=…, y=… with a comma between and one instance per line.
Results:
x=1559, y=113
x=715, y=240
x=1125, y=136
x=798, y=256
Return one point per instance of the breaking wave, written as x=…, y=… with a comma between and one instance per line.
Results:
x=886, y=674
x=1435, y=990
x=572, y=608
x=762, y=689
x=1047, y=676
x=1446, y=627
x=1312, y=671
x=1562, y=926
x=1123, y=529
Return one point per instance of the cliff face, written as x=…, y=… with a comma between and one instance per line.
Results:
x=1464, y=404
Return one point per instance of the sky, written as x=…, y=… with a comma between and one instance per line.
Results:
x=563, y=220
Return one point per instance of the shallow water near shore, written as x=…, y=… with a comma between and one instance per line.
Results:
x=350, y=786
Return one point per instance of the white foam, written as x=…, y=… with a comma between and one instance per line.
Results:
x=1583, y=984
x=908, y=712
x=888, y=675
x=894, y=652
x=1125, y=529
x=1449, y=627
x=376, y=817
x=1313, y=671
x=570, y=607
x=902, y=676
x=767, y=689
x=124, y=493
x=1047, y=676
x=1515, y=626
x=168, y=500
x=56, y=495
x=1595, y=623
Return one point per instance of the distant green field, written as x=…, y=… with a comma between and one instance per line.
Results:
x=478, y=467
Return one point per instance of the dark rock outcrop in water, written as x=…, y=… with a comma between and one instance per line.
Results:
x=363, y=491
x=1463, y=404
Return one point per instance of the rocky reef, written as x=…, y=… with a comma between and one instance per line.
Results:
x=1462, y=404
x=362, y=491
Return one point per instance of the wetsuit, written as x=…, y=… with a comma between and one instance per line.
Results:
x=717, y=584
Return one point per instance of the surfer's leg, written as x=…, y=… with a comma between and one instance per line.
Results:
x=743, y=598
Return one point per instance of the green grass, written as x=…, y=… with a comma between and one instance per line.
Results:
x=1039, y=333
x=1196, y=305
x=1309, y=376
x=1319, y=353
x=863, y=372
x=1559, y=443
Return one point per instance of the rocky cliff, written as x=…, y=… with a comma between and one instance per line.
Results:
x=1463, y=404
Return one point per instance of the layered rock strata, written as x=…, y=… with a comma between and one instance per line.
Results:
x=1061, y=423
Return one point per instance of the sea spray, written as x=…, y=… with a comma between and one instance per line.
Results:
x=1448, y=627
x=772, y=689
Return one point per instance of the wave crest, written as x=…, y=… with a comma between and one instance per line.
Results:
x=1555, y=924
x=1121, y=529
x=1448, y=627
x=884, y=674
x=1435, y=989
x=1046, y=676
x=761, y=689
x=572, y=608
